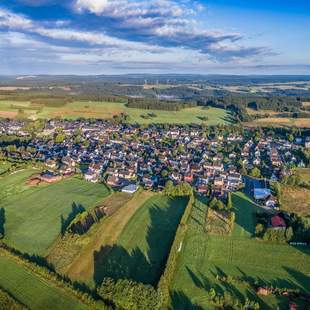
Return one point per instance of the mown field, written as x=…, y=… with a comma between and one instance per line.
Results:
x=33, y=291
x=74, y=255
x=35, y=216
x=142, y=248
x=106, y=110
x=204, y=257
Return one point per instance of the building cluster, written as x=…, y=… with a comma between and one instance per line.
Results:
x=123, y=155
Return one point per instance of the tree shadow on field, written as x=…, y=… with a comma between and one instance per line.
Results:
x=117, y=263
x=245, y=213
x=139, y=263
x=65, y=222
x=2, y=222
x=302, y=279
x=180, y=301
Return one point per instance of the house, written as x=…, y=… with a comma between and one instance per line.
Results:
x=278, y=222
x=113, y=180
x=188, y=178
x=130, y=189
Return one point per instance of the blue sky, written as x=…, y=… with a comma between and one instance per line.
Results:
x=159, y=36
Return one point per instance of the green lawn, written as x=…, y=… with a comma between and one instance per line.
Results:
x=143, y=246
x=34, y=216
x=4, y=166
x=203, y=257
x=31, y=290
x=106, y=110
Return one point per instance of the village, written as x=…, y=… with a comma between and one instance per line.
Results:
x=127, y=157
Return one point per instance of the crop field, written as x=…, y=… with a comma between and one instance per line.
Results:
x=203, y=257
x=142, y=248
x=296, y=199
x=35, y=216
x=31, y=290
x=106, y=110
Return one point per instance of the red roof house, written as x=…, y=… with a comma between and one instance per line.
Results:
x=277, y=221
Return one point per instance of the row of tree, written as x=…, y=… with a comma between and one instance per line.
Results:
x=154, y=104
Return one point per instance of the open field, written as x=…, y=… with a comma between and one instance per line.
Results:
x=35, y=216
x=306, y=104
x=31, y=290
x=204, y=257
x=279, y=122
x=75, y=255
x=261, y=112
x=304, y=173
x=4, y=166
x=144, y=244
x=296, y=199
x=106, y=110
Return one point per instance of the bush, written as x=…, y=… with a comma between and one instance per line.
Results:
x=8, y=302
x=127, y=294
x=275, y=235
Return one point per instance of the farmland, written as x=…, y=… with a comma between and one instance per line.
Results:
x=106, y=110
x=31, y=290
x=142, y=248
x=35, y=216
x=204, y=257
x=280, y=122
x=73, y=255
x=296, y=199
x=304, y=174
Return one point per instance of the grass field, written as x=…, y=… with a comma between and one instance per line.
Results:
x=296, y=199
x=106, y=110
x=304, y=173
x=4, y=166
x=31, y=290
x=280, y=122
x=143, y=246
x=203, y=257
x=74, y=255
x=35, y=216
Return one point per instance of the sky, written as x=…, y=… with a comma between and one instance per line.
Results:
x=92, y=37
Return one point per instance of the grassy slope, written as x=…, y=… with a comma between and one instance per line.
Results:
x=107, y=110
x=31, y=290
x=203, y=257
x=143, y=246
x=75, y=256
x=33, y=214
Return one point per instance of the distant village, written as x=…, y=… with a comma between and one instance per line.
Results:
x=127, y=157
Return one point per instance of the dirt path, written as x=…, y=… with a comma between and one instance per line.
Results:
x=82, y=268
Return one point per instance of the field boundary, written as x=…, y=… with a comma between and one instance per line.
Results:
x=38, y=267
x=166, y=278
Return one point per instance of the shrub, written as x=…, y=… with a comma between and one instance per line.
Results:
x=127, y=294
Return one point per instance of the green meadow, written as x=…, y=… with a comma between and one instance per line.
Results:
x=203, y=257
x=35, y=216
x=106, y=110
x=141, y=251
x=31, y=290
